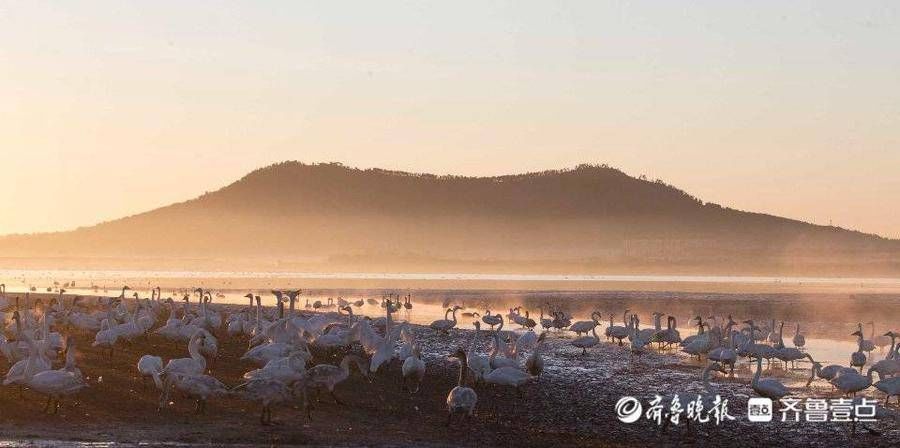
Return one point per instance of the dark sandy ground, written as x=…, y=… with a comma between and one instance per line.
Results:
x=571, y=405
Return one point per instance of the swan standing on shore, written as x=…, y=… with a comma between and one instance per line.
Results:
x=56, y=384
x=199, y=387
x=461, y=399
x=195, y=365
x=491, y=320
x=767, y=387
x=585, y=326
x=799, y=338
x=858, y=358
x=534, y=365
x=328, y=376
x=851, y=383
x=478, y=364
x=444, y=325
x=413, y=370
x=586, y=342
x=151, y=366
x=268, y=392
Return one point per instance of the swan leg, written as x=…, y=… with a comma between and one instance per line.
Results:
x=336, y=398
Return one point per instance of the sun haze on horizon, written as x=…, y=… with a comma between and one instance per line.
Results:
x=112, y=109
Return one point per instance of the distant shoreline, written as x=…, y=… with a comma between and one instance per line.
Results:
x=465, y=281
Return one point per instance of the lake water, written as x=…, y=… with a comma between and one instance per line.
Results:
x=827, y=330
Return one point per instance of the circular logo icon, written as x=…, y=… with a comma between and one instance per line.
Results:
x=629, y=409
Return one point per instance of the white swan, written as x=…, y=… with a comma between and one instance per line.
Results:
x=858, y=358
x=585, y=326
x=413, y=370
x=768, y=387
x=195, y=365
x=461, y=399
x=199, y=387
x=586, y=342
x=616, y=331
x=866, y=345
x=799, y=339
x=25, y=369
x=507, y=376
x=890, y=387
x=478, y=364
x=56, y=384
x=262, y=354
x=851, y=383
x=268, y=392
x=491, y=320
x=151, y=366
x=286, y=370
x=444, y=325
x=889, y=366
x=534, y=364
x=328, y=376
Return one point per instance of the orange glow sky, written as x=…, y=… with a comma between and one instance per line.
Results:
x=109, y=109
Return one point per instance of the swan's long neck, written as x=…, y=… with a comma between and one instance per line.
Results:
x=462, y=371
x=594, y=331
x=70, y=358
x=797, y=330
x=345, y=367
x=758, y=371
x=705, y=378
x=813, y=371
x=194, y=350
x=454, y=314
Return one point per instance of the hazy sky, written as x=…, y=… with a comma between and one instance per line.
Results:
x=111, y=108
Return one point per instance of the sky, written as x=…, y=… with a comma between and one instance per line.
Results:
x=110, y=108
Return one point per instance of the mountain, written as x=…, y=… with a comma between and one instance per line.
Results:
x=587, y=219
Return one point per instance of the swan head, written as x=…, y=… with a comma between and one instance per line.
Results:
x=890, y=334
x=717, y=367
x=459, y=354
x=856, y=333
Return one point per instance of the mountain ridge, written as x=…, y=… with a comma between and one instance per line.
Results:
x=329, y=211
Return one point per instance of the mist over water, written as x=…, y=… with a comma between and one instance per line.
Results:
x=825, y=318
